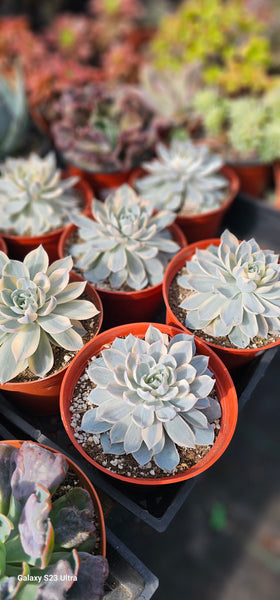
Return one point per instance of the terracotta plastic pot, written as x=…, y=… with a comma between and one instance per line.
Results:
x=232, y=357
x=225, y=391
x=254, y=178
x=41, y=396
x=205, y=225
x=3, y=246
x=85, y=483
x=127, y=307
x=19, y=246
x=102, y=183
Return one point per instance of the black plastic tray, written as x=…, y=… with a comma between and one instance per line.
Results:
x=158, y=506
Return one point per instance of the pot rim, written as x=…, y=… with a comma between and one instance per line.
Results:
x=224, y=386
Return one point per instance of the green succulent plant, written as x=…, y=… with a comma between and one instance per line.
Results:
x=184, y=178
x=45, y=542
x=236, y=291
x=224, y=36
x=13, y=113
x=34, y=199
x=125, y=243
x=246, y=128
x=38, y=307
x=150, y=396
x=177, y=89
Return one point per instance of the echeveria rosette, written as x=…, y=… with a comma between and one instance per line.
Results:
x=184, y=178
x=34, y=199
x=126, y=243
x=150, y=396
x=41, y=536
x=236, y=291
x=38, y=307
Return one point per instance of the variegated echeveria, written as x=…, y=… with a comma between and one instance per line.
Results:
x=126, y=243
x=38, y=307
x=43, y=540
x=151, y=395
x=34, y=199
x=235, y=291
x=184, y=178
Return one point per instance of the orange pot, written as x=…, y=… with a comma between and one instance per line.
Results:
x=41, y=396
x=205, y=225
x=127, y=307
x=85, y=483
x=254, y=178
x=103, y=183
x=232, y=357
x=3, y=246
x=225, y=391
x=19, y=246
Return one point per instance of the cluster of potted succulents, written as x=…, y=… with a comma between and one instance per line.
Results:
x=147, y=403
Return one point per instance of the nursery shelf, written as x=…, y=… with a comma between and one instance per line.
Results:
x=157, y=506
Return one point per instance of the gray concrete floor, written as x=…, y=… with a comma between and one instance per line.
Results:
x=224, y=544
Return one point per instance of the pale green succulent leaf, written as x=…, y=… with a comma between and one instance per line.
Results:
x=26, y=342
x=36, y=261
x=41, y=362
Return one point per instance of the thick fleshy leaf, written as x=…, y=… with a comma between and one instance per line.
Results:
x=69, y=339
x=36, y=261
x=91, y=425
x=34, y=525
x=168, y=458
x=133, y=438
x=93, y=571
x=179, y=432
x=143, y=415
x=72, y=517
x=109, y=448
x=8, y=456
x=36, y=465
x=41, y=361
x=77, y=309
x=143, y=455
x=152, y=434
x=202, y=386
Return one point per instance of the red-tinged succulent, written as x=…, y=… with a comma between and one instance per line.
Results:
x=72, y=35
x=99, y=130
x=121, y=63
x=45, y=541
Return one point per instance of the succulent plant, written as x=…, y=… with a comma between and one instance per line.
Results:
x=178, y=90
x=150, y=396
x=34, y=199
x=45, y=542
x=235, y=291
x=184, y=178
x=212, y=108
x=230, y=43
x=38, y=307
x=13, y=112
x=72, y=35
x=125, y=244
x=247, y=128
x=98, y=130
